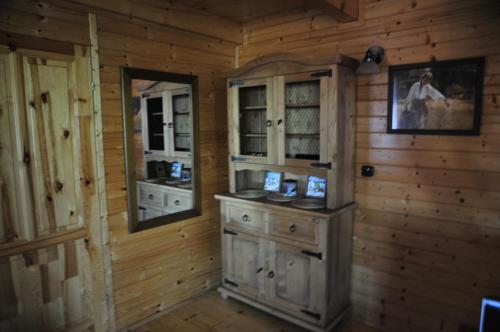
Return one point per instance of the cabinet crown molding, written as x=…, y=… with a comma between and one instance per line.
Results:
x=284, y=63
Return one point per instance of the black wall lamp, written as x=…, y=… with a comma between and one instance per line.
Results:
x=373, y=57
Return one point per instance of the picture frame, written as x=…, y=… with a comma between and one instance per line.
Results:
x=436, y=98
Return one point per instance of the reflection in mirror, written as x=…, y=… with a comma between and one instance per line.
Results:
x=159, y=123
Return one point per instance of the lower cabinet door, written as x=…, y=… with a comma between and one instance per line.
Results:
x=243, y=256
x=296, y=281
x=146, y=213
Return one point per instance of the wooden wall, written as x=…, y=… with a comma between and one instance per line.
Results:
x=427, y=229
x=148, y=275
x=152, y=269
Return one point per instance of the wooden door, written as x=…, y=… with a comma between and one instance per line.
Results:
x=243, y=257
x=296, y=281
x=49, y=197
x=302, y=102
x=53, y=130
x=13, y=224
x=251, y=121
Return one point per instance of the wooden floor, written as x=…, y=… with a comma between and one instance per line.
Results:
x=210, y=313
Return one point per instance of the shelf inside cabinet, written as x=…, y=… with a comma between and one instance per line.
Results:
x=303, y=106
x=253, y=108
x=305, y=135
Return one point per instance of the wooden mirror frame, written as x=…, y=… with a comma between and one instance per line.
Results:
x=127, y=75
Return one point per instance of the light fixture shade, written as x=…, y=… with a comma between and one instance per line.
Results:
x=373, y=57
x=368, y=68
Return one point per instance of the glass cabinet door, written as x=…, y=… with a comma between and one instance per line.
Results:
x=252, y=121
x=301, y=115
x=179, y=125
x=154, y=112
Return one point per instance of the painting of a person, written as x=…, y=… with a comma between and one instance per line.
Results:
x=415, y=109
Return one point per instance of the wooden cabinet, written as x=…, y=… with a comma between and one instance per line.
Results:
x=294, y=116
x=156, y=200
x=297, y=268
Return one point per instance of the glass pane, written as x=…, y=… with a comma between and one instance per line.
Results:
x=253, y=131
x=181, y=118
x=302, y=118
x=155, y=123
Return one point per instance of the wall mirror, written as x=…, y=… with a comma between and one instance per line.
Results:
x=160, y=112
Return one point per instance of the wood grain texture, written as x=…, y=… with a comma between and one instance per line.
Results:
x=426, y=231
x=146, y=275
x=210, y=312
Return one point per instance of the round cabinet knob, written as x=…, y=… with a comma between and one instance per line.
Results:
x=292, y=228
x=170, y=125
x=151, y=196
x=245, y=218
x=270, y=274
x=177, y=202
x=269, y=123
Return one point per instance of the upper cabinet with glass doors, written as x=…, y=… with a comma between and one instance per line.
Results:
x=286, y=115
x=293, y=115
x=166, y=108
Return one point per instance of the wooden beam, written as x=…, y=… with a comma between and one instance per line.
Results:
x=341, y=10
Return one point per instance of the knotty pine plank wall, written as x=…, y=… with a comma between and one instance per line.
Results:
x=427, y=227
x=156, y=268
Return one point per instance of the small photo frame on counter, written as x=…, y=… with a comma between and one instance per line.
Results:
x=290, y=188
x=316, y=187
x=272, y=181
x=176, y=169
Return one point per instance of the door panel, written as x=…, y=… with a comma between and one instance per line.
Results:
x=294, y=280
x=244, y=263
x=302, y=102
x=9, y=218
x=42, y=289
x=53, y=130
x=251, y=122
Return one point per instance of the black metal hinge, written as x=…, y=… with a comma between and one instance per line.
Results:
x=229, y=282
x=236, y=83
x=227, y=231
x=312, y=314
x=318, y=255
x=234, y=158
x=327, y=165
x=322, y=73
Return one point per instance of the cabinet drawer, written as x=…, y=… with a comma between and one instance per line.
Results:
x=303, y=229
x=151, y=197
x=177, y=201
x=246, y=217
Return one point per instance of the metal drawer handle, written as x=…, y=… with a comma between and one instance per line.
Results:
x=280, y=121
x=269, y=123
x=177, y=202
x=292, y=228
x=260, y=270
x=270, y=274
x=245, y=218
x=151, y=196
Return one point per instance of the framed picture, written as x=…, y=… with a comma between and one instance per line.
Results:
x=441, y=98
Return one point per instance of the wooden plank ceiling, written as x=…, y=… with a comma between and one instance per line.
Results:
x=243, y=11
